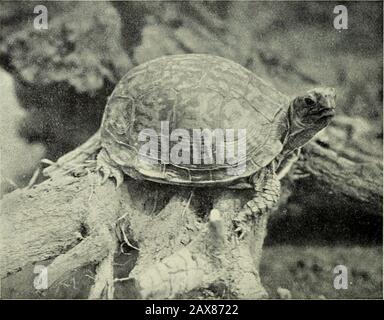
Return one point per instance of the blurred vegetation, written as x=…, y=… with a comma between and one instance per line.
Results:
x=308, y=271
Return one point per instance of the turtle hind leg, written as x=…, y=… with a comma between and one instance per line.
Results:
x=107, y=169
x=77, y=160
x=267, y=192
x=266, y=184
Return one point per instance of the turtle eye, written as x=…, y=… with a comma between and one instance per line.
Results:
x=309, y=101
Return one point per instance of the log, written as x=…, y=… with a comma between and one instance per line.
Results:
x=344, y=179
x=180, y=249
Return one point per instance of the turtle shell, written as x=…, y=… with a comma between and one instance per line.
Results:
x=192, y=91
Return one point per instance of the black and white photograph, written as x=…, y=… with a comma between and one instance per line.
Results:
x=207, y=151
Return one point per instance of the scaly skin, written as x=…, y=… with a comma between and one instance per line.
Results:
x=267, y=192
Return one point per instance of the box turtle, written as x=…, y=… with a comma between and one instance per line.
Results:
x=207, y=92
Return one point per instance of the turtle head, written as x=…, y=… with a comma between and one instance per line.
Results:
x=315, y=109
x=310, y=113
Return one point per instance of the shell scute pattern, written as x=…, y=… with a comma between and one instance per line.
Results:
x=192, y=92
x=120, y=115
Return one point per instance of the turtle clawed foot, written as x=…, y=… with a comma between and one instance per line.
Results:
x=257, y=208
x=106, y=169
x=240, y=232
x=106, y=172
x=119, y=178
x=252, y=211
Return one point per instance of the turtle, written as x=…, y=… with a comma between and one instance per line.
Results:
x=202, y=91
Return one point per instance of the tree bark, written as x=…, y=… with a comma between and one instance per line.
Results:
x=72, y=220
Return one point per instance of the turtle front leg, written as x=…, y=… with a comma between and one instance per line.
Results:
x=77, y=160
x=287, y=162
x=267, y=191
x=107, y=169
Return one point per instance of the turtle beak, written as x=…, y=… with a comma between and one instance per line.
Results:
x=328, y=112
x=327, y=101
x=330, y=101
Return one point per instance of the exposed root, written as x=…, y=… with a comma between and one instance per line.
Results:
x=125, y=238
x=34, y=177
x=189, y=268
x=101, y=241
x=103, y=287
x=92, y=249
x=214, y=255
x=187, y=204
